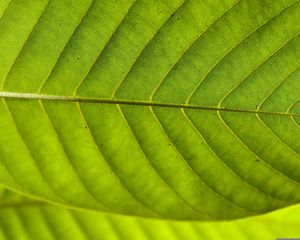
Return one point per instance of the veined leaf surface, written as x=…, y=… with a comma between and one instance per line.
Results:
x=22, y=218
x=171, y=109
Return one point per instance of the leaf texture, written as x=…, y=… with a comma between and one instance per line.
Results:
x=22, y=218
x=165, y=109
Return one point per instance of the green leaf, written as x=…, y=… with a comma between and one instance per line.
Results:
x=21, y=218
x=171, y=109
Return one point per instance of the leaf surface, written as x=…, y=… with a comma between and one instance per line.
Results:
x=171, y=109
x=22, y=218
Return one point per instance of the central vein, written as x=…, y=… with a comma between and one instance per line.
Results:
x=47, y=97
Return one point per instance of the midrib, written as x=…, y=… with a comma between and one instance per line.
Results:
x=48, y=97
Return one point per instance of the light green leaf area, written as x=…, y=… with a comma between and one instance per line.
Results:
x=155, y=108
x=21, y=218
